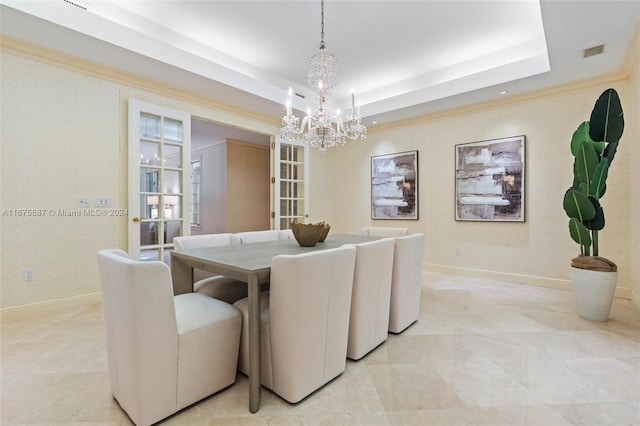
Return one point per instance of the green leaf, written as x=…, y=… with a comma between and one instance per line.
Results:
x=578, y=185
x=578, y=206
x=579, y=233
x=597, y=222
x=598, y=184
x=610, y=150
x=607, y=119
x=586, y=162
x=582, y=135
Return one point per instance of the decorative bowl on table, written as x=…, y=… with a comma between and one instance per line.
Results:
x=307, y=234
x=325, y=232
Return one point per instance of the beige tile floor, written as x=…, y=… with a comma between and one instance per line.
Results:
x=482, y=353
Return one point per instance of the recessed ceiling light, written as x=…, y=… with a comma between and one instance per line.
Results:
x=374, y=122
x=503, y=92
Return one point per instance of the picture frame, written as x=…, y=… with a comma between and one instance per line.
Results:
x=490, y=180
x=394, y=186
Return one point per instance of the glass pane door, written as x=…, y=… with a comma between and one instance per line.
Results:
x=158, y=193
x=291, y=183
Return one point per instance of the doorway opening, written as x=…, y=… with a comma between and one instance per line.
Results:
x=234, y=178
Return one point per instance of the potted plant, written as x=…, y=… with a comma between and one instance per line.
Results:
x=593, y=145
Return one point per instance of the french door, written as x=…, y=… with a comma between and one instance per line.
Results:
x=291, y=183
x=159, y=193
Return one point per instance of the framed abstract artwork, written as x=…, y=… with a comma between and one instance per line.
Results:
x=490, y=180
x=394, y=186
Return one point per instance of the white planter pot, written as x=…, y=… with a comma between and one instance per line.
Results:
x=594, y=291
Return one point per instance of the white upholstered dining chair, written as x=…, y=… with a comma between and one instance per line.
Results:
x=286, y=234
x=305, y=321
x=370, y=301
x=249, y=237
x=218, y=286
x=384, y=231
x=406, y=282
x=164, y=352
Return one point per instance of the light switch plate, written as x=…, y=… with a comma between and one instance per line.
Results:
x=84, y=201
x=103, y=202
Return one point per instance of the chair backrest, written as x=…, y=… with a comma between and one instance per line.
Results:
x=384, y=231
x=202, y=241
x=406, y=283
x=309, y=303
x=369, y=318
x=140, y=324
x=286, y=234
x=258, y=236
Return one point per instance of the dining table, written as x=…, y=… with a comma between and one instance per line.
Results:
x=250, y=264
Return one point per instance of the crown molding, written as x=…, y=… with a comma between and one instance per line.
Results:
x=611, y=78
x=632, y=58
x=28, y=50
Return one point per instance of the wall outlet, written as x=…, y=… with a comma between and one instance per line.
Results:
x=458, y=250
x=29, y=274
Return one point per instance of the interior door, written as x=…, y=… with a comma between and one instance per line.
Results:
x=159, y=184
x=291, y=182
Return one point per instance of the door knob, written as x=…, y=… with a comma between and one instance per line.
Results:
x=136, y=219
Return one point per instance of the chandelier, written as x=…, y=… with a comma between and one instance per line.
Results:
x=322, y=128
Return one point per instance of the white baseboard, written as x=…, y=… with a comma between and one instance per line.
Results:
x=50, y=306
x=621, y=292
x=635, y=300
x=26, y=311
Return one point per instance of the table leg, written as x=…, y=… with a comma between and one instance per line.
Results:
x=182, y=276
x=255, y=374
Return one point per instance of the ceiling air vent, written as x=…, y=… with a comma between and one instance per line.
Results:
x=75, y=4
x=593, y=51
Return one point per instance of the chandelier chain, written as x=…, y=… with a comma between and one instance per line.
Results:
x=322, y=24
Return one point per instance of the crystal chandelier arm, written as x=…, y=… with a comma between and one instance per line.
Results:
x=339, y=123
x=305, y=122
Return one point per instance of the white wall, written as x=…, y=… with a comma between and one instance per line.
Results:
x=64, y=135
x=537, y=251
x=60, y=140
x=320, y=186
x=213, y=208
x=631, y=146
x=235, y=187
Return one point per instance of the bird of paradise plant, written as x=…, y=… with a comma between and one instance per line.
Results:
x=593, y=145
